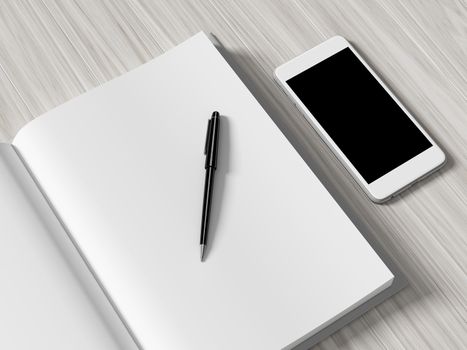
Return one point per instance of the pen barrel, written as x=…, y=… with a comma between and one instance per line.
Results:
x=207, y=200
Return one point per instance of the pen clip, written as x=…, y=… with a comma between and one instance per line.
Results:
x=208, y=136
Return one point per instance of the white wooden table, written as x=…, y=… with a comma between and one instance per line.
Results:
x=51, y=51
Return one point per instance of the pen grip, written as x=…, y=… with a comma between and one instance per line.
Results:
x=207, y=200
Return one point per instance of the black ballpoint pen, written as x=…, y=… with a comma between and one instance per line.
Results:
x=210, y=151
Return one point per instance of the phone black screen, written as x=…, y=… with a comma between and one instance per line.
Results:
x=364, y=121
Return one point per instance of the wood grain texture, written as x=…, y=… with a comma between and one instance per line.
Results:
x=51, y=51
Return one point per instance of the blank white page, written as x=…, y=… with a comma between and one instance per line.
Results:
x=48, y=298
x=123, y=165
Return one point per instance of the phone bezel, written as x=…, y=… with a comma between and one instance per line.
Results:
x=397, y=179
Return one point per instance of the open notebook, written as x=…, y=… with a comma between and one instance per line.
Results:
x=122, y=168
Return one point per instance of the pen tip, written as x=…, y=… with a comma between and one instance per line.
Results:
x=215, y=114
x=202, y=252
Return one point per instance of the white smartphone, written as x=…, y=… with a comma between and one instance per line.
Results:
x=369, y=130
